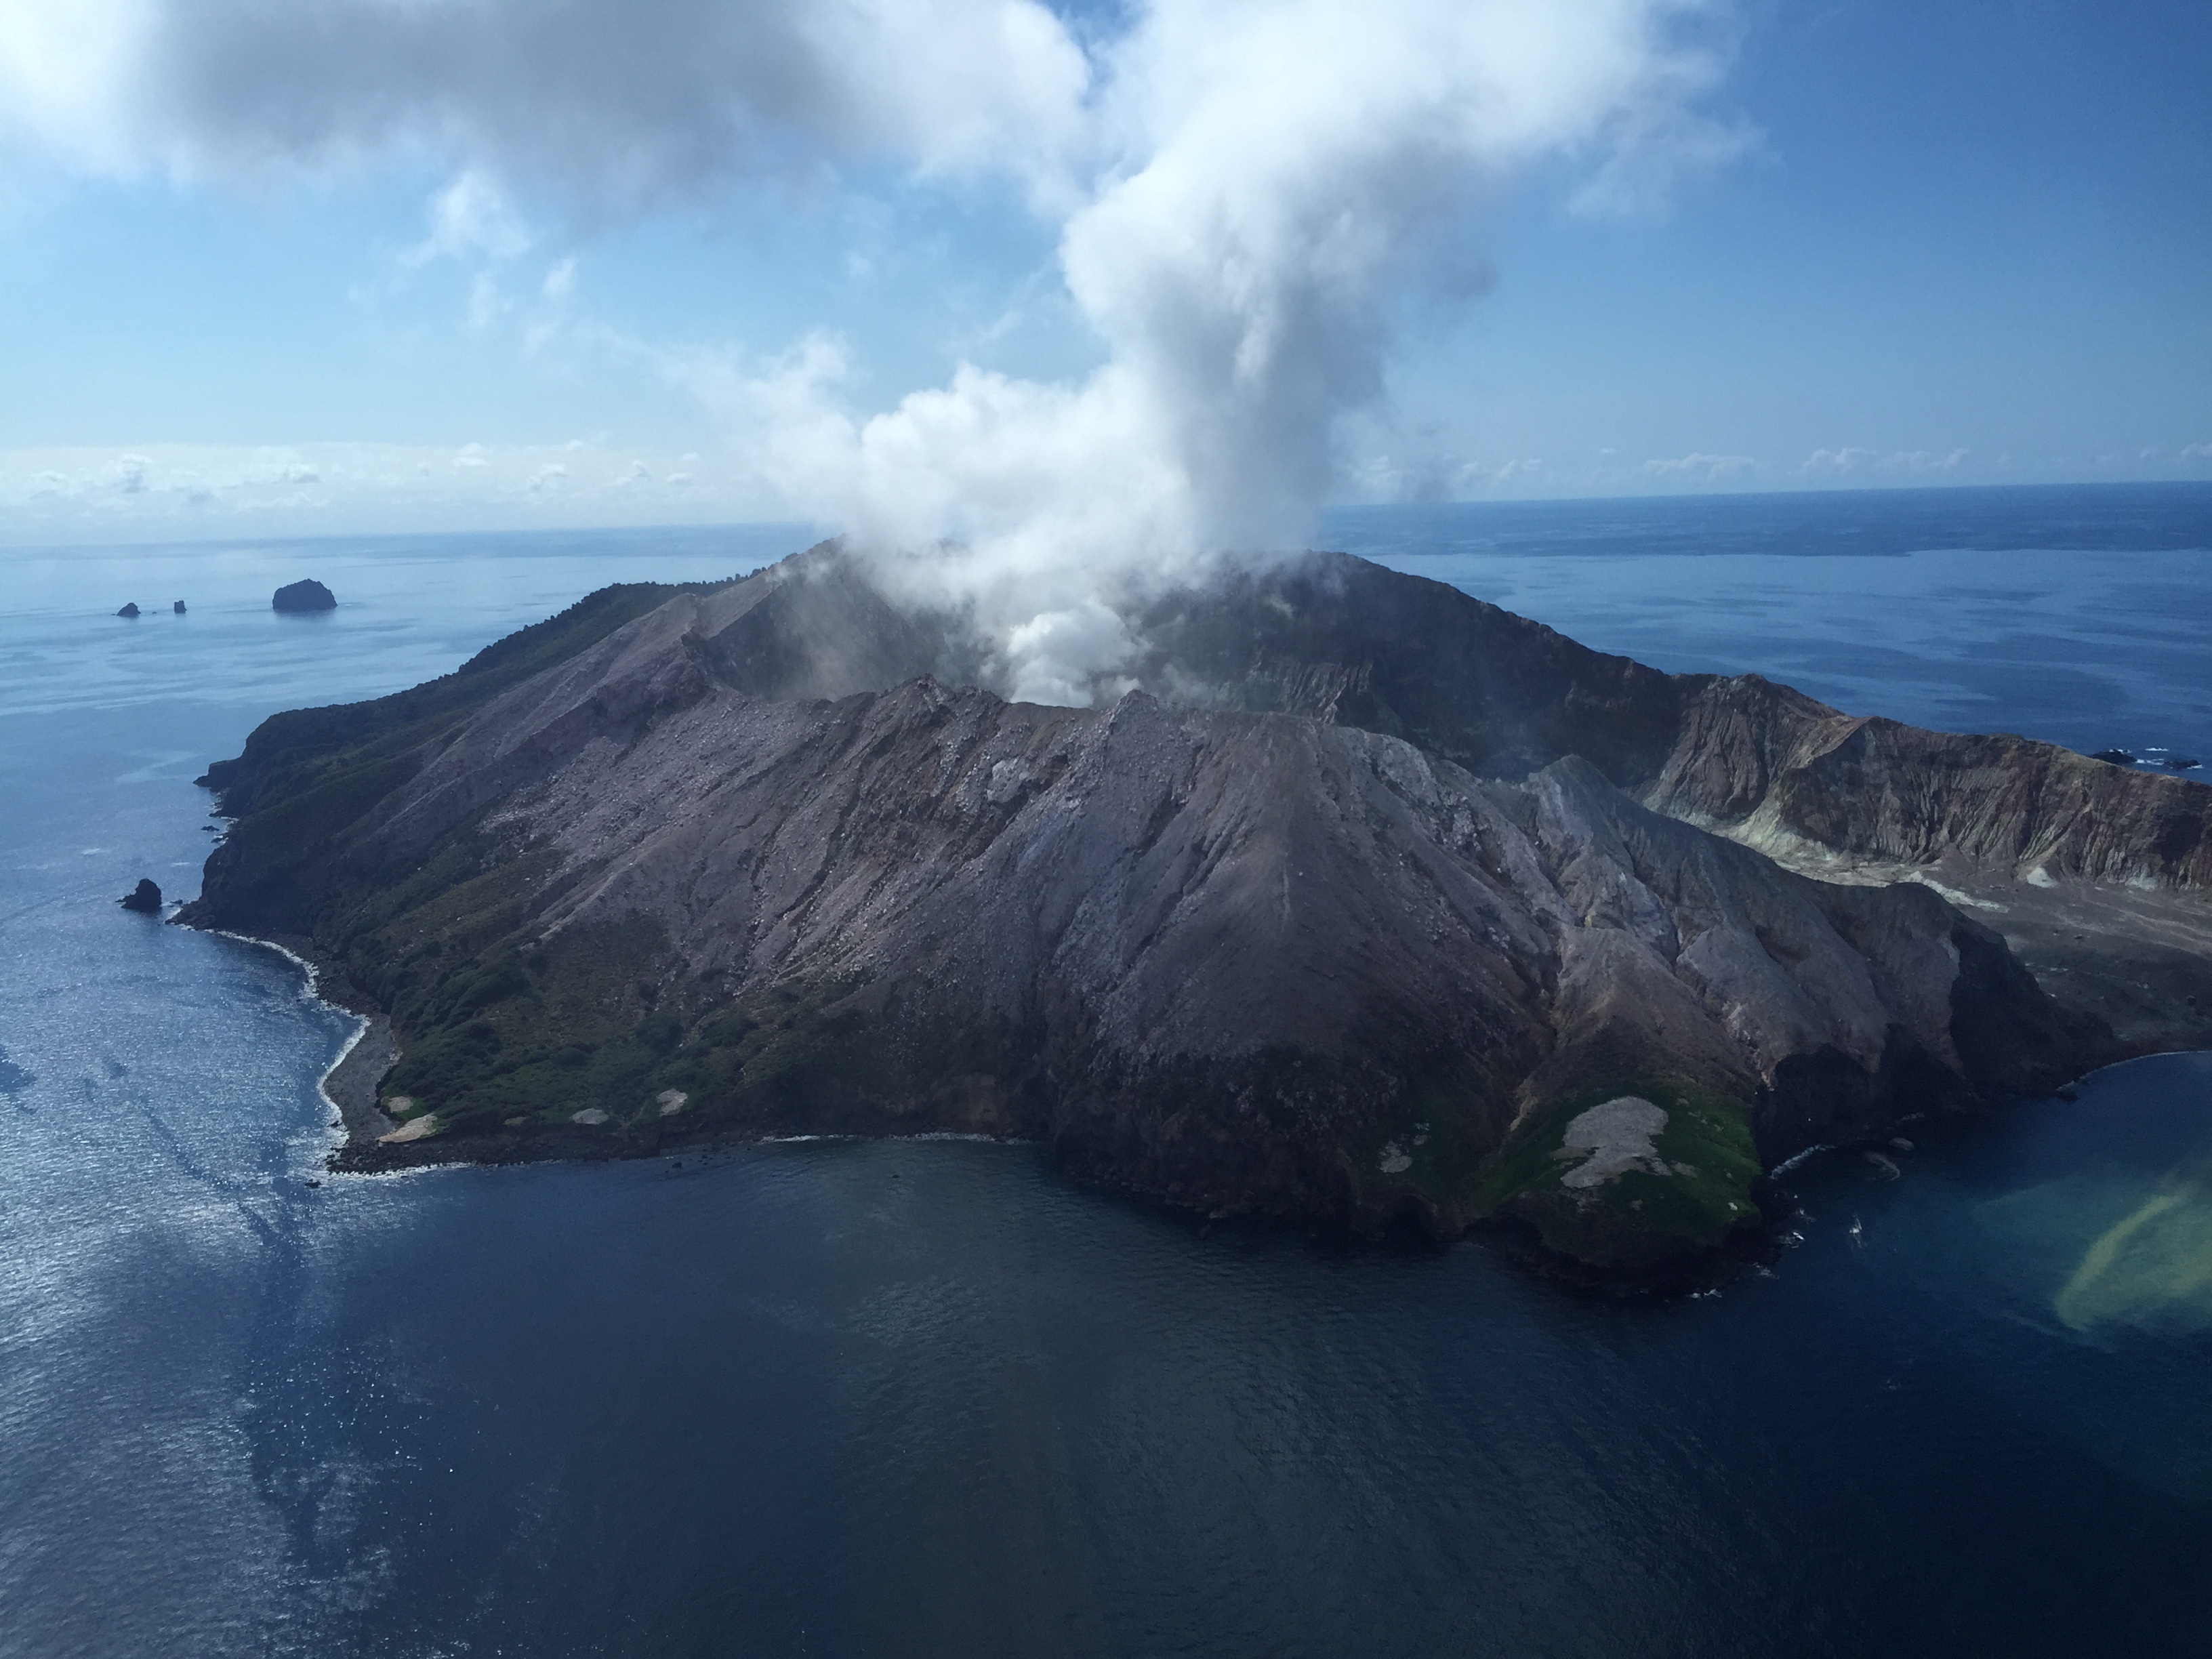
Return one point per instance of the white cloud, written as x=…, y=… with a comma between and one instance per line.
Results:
x=471, y=218
x=1924, y=460
x=1279, y=173
x=60, y=495
x=2196, y=452
x=625, y=105
x=1910, y=461
x=1700, y=468
x=1242, y=189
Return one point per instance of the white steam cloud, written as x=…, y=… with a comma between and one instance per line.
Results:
x=1251, y=194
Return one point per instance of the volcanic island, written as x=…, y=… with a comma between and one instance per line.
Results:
x=1353, y=898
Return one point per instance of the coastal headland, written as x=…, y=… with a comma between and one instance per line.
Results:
x=1353, y=897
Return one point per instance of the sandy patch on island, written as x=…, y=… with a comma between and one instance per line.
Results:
x=417, y=1130
x=1618, y=1137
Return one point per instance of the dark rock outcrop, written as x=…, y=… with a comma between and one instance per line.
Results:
x=129, y=610
x=179, y=607
x=145, y=898
x=300, y=596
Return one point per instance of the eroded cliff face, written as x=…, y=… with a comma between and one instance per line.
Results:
x=1344, y=640
x=1353, y=901
x=1780, y=771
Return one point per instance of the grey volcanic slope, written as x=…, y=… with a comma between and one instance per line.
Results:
x=1345, y=641
x=1346, y=913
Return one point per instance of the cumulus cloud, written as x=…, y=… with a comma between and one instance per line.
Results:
x=1246, y=191
x=1700, y=468
x=625, y=102
x=1849, y=460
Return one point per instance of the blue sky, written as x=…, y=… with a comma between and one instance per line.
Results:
x=1937, y=242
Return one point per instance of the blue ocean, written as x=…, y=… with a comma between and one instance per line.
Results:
x=929, y=1397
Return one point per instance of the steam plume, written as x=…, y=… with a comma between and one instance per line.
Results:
x=1246, y=191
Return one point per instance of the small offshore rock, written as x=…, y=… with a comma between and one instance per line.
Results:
x=307, y=595
x=145, y=898
x=130, y=609
x=2115, y=756
x=179, y=607
x=2178, y=763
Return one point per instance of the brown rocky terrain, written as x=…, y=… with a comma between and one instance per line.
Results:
x=1365, y=897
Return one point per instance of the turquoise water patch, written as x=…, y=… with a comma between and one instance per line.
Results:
x=2114, y=1247
x=2152, y=1268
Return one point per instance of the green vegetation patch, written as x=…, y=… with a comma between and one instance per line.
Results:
x=504, y=1030
x=1639, y=1215
x=538, y=1032
x=1432, y=1141
x=833, y=1054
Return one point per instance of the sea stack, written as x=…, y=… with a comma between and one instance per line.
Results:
x=308, y=595
x=146, y=898
x=128, y=611
x=179, y=607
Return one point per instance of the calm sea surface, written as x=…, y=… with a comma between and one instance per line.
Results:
x=926, y=1398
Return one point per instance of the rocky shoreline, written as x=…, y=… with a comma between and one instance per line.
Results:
x=368, y=1149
